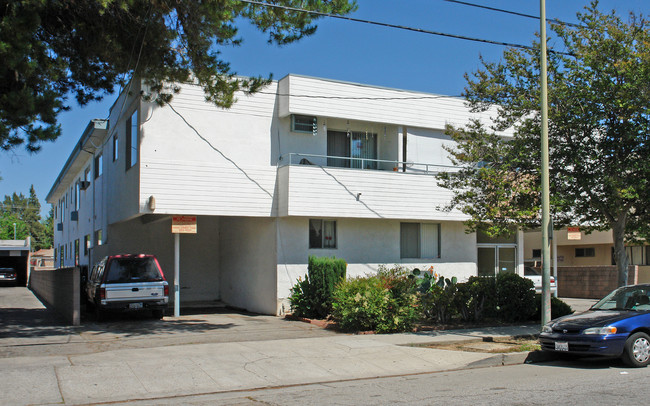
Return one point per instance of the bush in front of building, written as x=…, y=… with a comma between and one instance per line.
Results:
x=476, y=298
x=559, y=308
x=384, y=303
x=312, y=297
x=515, y=298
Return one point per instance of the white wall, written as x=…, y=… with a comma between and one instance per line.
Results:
x=361, y=102
x=426, y=146
x=365, y=244
x=319, y=191
x=248, y=263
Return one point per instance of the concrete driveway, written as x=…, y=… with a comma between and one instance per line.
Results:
x=28, y=328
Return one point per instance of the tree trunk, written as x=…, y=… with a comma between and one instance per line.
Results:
x=620, y=256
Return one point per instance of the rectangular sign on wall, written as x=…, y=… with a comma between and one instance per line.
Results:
x=573, y=233
x=184, y=225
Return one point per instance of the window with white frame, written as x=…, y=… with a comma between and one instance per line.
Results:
x=419, y=240
x=322, y=233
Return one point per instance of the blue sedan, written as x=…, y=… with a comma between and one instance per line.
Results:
x=616, y=326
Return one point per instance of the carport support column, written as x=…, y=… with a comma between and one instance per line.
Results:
x=177, y=275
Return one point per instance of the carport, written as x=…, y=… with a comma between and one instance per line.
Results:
x=15, y=254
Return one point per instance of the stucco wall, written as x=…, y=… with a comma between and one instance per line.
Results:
x=60, y=290
x=248, y=263
x=365, y=244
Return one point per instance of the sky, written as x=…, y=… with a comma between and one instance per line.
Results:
x=348, y=51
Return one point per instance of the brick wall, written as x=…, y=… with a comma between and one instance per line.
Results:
x=590, y=282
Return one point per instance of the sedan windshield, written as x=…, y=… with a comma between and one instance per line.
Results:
x=626, y=298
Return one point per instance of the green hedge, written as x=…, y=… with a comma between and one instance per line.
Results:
x=312, y=297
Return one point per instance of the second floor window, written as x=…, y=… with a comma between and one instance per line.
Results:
x=132, y=126
x=116, y=148
x=98, y=166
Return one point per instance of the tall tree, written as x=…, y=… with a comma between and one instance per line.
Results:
x=599, y=134
x=50, y=49
x=26, y=212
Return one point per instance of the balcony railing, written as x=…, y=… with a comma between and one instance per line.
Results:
x=294, y=158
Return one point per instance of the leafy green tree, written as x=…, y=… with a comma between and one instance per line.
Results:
x=51, y=49
x=599, y=134
x=7, y=221
x=26, y=211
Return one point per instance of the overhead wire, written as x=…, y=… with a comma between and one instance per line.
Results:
x=400, y=27
x=500, y=10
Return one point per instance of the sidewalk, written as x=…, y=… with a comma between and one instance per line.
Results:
x=43, y=362
x=159, y=372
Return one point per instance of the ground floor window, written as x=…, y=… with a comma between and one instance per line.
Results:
x=86, y=243
x=98, y=237
x=322, y=233
x=585, y=252
x=76, y=252
x=419, y=240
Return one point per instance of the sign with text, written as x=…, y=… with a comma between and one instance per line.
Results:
x=573, y=233
x=184, y=225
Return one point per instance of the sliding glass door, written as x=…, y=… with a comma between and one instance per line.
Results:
x=354, y=144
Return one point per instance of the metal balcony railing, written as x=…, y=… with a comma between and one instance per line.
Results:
x=294, y=158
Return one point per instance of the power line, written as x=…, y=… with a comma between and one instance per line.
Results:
x=400, y=27
x=500, y=10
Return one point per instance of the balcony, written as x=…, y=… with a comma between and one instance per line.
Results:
x=339, y=187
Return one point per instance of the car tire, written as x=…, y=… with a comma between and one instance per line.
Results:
x=637, y=350
x=158, y=314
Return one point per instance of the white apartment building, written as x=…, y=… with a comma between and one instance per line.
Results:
x=306, y=167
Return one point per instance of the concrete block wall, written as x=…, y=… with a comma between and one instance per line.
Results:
x=590, y=282
x=59, y=289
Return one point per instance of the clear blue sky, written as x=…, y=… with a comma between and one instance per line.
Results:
x=346, y=51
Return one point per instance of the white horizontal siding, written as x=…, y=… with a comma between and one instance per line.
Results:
x=200, y=188
x=373, y=104
x=332, y=192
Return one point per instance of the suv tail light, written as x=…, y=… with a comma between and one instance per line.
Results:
x=102, y=293
x=166, y=290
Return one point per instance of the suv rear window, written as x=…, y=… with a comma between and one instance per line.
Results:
x=126, y=270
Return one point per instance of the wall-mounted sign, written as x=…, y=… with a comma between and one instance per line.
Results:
x=184, y=225
x=573, y=233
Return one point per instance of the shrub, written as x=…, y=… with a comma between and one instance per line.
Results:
x=437, y=301
x=385, y=303
x=515, y=297
x=475, y=298
x=558, y=307
x=312, y=297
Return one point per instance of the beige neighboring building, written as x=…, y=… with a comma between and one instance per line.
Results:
x=42, y=259
x=576, y=248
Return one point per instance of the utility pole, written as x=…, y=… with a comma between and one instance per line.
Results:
x=14, y=231
x=546, y=216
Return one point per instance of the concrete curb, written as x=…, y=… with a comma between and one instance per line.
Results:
x=513, y=358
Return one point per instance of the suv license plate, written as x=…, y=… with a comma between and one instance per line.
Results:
x=561, y=346
x=139, y=306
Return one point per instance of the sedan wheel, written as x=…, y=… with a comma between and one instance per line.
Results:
x=637, y=350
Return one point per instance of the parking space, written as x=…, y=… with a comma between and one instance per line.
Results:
x=28, y=328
